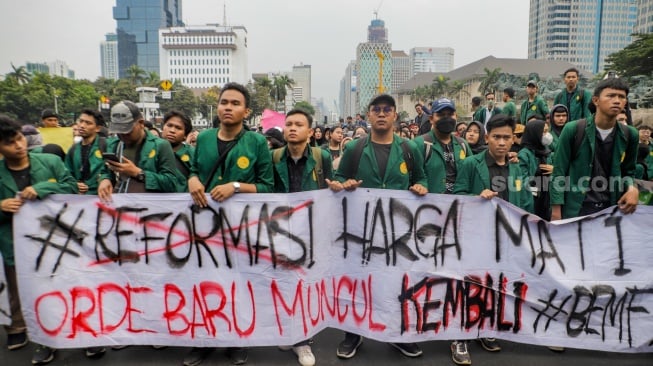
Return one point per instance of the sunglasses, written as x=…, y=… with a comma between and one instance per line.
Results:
x=377, y=109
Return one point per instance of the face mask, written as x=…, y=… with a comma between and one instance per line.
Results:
x=490, y=103
x=446, y=125
x=547, y=139
x=77, y=139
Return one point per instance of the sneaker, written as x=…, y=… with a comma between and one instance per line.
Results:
x=348, y=347
x=459, y=353
x=556, y=349
x=95, y=352
x=305, y=355
x=42, y=355
x=16, y=341
x=490, y=344
x=237, y=355
x=408, y=349
x=119, y=347
x=285, y=348
x=196, y=356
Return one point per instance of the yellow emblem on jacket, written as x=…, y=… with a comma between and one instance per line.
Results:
x=52, y=180
x=98, y=154
x=518, y=184
x=462, y=154
x=534, y=108
x=314, y=176
x=185, y=158
x=243, y=162
x=403, y=168
x=152, y=154
x=623, y=156
x=577, y=98
x=651, y=153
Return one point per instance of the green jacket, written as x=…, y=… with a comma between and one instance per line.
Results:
x=481, y=113
x=579, y=104
x=249, y=161
x=649, y=162
x=96, y=164
x=309, y=178
x=396, y=176
x=183, y=162
x=158, y=163
x=510, y=109
x=528, y=164
x=538, y=106
x=434, y=167
x=474, y=177
x=579, y=168
x=48, y=175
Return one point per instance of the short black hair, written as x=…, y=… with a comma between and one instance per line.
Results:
x=509, y=91
x=571, y=69
x=99, y=118
x=308, y=116
x=500, y=120
x=488, y=93
x=239, y=88
x=9, y=128
x=476, y=101
x=611, y=83
x=644, y=127
x=188, y=126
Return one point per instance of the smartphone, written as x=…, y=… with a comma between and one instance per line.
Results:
x=111, y=157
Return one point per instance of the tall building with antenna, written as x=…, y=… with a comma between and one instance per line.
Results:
x=374, y=64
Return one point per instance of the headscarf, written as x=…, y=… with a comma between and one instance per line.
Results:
x=532, y=138
x=557, y=108
x=480, y=145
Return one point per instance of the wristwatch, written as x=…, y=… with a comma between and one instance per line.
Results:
x=140, y=176
x=236, y=187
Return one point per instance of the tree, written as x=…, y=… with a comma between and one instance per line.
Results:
x=489, y=81
x=634, y=59
x=152, y=79
x=20, y=74
x=260, y=90
x=136, y=75
x=456, y=88
x=439, y=87
x=306, y=106
x=280, y=85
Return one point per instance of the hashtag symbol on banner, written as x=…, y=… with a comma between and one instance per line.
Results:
x=55, y=225
x=550, y=310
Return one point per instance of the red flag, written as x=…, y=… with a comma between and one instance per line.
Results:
x=271, y=119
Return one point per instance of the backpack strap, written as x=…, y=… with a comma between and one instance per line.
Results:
x=578, y=138
x=276, y=155
x=462, y=143
x=355, y=158
x=428, y=146
x=409, y=159
x=319, y=166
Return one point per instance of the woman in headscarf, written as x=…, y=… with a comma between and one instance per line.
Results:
x=475, y=136
x=535, y=164
x=318, y=138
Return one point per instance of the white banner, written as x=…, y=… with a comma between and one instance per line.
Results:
x=269, y=269
x=4, y=296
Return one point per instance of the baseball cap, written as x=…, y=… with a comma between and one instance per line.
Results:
x=47, y=113
x=383, y=99
x=531, y=82
x=443, y=103
x=519, y=128
x=123, y=117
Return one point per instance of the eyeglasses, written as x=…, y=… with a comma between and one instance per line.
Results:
x=622, y=119
x=377, y=109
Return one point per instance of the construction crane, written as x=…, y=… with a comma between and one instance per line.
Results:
x=380, y=89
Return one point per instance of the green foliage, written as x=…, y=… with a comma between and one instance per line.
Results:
x=260, y=91
x=305, y=106
x=489, y=81
x=635, y=59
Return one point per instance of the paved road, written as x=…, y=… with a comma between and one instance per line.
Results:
x=371, y=353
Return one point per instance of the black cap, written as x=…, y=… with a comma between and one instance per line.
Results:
x=47, y=113
x=383, y=99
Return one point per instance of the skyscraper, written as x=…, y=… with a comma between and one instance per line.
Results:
x=431, y=59
x=138, y=23
x=644, y=17
x=109, y=56
x=348, y=106
x=204, y=56
x=373, y=64
x=301, y=88
x=400, y=69
x=583, y=32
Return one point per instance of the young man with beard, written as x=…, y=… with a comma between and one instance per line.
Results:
x=24, y=177
x=84, y=159
x=443, y=152
x=594, y=163
x=229, y=160
x=576, y=100
x=381, y=164
x=300, y=167
x=176, y=127
x=145, y=163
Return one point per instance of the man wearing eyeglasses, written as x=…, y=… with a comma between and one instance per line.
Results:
x=381, y=164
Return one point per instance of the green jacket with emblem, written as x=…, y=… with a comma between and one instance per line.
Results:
x=510, y=109
x=434, y=167
x=474, y=177
x=48, y=175
x=157, y=160
x=184, y=157
x=579, y=168
x=538, y=106
x=397, y=175
x=249, y=161
x=309, y=177
x=96, y=164
x=578, y=106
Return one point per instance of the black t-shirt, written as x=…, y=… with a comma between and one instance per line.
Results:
x=382, y=153
x=450, y=164
x=498, y=177
x=86, y=167
x=21, y=177
x=296, y=172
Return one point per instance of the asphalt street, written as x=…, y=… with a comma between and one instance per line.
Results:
x=324, y=347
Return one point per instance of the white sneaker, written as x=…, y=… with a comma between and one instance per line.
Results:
x=304, y=355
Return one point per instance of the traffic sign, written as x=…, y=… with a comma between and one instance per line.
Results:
x=166, y=85
x=104, y=99
x=166, y=95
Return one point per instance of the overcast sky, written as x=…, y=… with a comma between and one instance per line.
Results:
x=281, y=33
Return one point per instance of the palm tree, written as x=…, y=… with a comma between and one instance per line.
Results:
x=152, y=79
x=489, y=80
x=280, y=85
x=20, y=74
x=136, y=74
x=440, y=86
x=456, y=88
